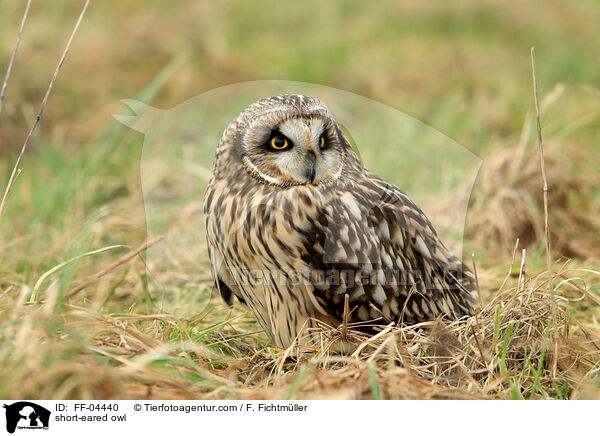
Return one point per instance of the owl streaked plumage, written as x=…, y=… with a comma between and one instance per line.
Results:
x=294, y=222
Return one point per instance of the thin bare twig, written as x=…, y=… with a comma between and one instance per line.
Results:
x=512, y=262
x=477, y=280
x=521, y=282
x=115, y=264
x=476, y=314
x=38, y=117
x=543, y=166
x=546, y=223
x=345, y=317
x=14, y=53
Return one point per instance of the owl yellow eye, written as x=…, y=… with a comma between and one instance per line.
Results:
x=279, y=143
x=322, y=142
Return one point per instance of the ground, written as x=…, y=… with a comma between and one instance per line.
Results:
x=152, y=328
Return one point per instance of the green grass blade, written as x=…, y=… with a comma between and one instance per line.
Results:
x=38, y=284
x=374, y=383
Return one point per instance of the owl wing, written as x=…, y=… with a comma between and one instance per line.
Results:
x=372, y=242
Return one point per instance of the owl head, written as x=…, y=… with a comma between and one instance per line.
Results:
x=286, y=140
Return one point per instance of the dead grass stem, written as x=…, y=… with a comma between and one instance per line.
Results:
x=16, y=170
x=13, y=55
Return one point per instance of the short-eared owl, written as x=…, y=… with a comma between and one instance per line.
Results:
x=295, y=222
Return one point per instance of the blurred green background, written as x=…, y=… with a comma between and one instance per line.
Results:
x=461, y=66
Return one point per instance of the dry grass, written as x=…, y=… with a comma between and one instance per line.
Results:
x=506, y=351
x=507, y=204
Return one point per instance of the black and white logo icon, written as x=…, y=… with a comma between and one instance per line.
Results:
x=26, y=415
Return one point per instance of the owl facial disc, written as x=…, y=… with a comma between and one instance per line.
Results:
x=293, y=145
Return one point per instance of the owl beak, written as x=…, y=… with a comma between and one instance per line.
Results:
x=311, y=171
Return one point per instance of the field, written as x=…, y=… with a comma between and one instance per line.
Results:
x=86, y=314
